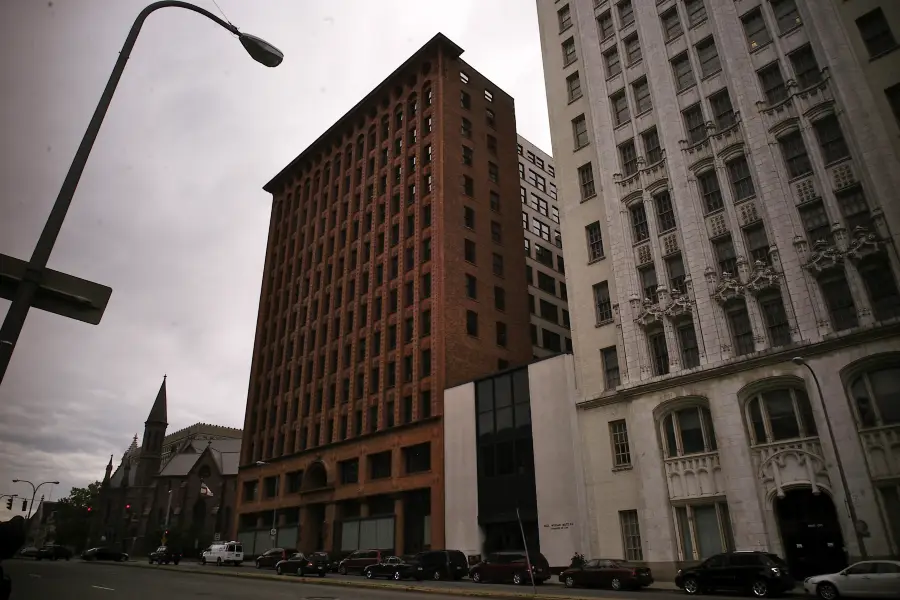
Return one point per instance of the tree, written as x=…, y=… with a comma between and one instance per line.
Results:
x=73, y=517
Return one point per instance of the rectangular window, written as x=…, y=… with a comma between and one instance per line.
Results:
x=639, y=227
x=839, y=300
x=893, y=97
x=659, y=353
x=876, y=33
x=573, y=86
x=469, y=250
x=613, y=62
x=602, y=302
x=708, y=57
x=549, y=311
x=425, y=363
x=471, y=287
x=739, y=175
x=501, y=334
x=652, y=149
x=469, y=217
x=565, y=18
x=380, y=464
x=594, y=241
x=786, y=15
x=628, y=156
x=497, y=265
x=665, y=212
x=496, y=232
x=626, y=13
x=632, y=49
x=546, y=283
x=854, y=209
x=611, y=375
x=579, y=132
x=417, y=459
x=605, y=25
x=794, y=152
x=493, y=172
x=684, y=75
x=725, y=255
x=815, y=222
x=618, y=433
x=467, y=155
x=694, y=123
x=772, y=83
x=831, y=140
x=499, y=298
x=687, y=340
x=723, y=113
x=568, y=51
x=696, y=12
x=675, y=268
x=741, y=331
x=586, y=182
x=757, y=243
x=671, y=24
x=641, y=91
x=709, y=189
x=619, y=104
x=472, y=323
x=755, y=29
x=777, y=325
x=806, y=69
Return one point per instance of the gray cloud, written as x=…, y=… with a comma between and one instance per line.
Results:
x=170, y=212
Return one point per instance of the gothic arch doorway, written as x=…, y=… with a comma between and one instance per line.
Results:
x=810, y=532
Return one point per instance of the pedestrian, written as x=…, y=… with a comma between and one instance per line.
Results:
x=12, y=537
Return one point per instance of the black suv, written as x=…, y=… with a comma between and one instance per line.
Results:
x=54, y=552
x=760, y=573
x=439, y=564
x=165, y=555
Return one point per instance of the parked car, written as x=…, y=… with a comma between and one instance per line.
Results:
x=392, y=567
x=866, y=579
x=440, y=564
x=503, y=567
x=601, y=572
x=104, y=553
x=223, y=553
x=29, y=552
x=302, y=565
x=334, y=560
x=759, y=573
x=270, y=558
x=165, y=555
x=359, y=560
x=54, y=552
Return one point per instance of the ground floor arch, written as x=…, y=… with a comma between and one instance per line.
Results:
x=810, y=532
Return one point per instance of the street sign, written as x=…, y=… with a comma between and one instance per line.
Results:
x=273, y=532
x=59, y=293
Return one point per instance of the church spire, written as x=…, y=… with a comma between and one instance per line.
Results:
x=159, y=412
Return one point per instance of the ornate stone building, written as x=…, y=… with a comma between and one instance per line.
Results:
x=165, y=473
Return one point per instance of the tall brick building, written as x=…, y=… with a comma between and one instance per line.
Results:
x=728, y=182
x=394, y=269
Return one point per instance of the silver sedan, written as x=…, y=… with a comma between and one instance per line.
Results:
x=866, y=579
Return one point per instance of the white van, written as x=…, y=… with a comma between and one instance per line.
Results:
x=223, y=553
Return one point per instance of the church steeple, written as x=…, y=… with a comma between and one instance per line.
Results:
x=159, y=412
x=109, y=469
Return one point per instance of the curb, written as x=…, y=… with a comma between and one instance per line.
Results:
x=361, y=584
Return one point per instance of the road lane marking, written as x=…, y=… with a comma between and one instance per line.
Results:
x=100, y=587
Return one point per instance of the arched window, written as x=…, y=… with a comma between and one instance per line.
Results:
x=688, y=431
x=876, y=395
x=780, y=414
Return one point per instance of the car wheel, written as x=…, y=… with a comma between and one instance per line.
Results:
x=257, y=564
x=202, y=560
x=398, y=577
x=760, y=589
x=476, y=577
x=826, y=591
x=175, y=563
x=570, y=582
x=369, y=574
x=616, y=583
x=219, y=562
x=342, y=570
x=518, y=579
x=437, y=575
x=278, y=571
x=691, y=586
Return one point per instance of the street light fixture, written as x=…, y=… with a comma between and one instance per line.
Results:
x=34, y=489
x=848, y=497
x=24, y=296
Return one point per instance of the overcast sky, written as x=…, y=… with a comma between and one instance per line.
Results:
x=170, y=212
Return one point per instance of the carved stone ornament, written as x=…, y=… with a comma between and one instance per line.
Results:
x=864, y=243
x=729, y=287
x=763, y=277
x=823, y=257
x=650, y=314
x=679, y=305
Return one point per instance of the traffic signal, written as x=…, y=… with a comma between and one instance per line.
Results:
x=9, y=504
x=89, y=509
x=24, y=505
x=127, y=507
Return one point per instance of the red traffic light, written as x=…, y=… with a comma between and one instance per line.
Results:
x=127, y=507
x=90, y=509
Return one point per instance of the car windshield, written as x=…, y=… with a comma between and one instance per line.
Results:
x=775, y=560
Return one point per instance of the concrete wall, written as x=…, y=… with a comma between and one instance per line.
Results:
x=461, y=470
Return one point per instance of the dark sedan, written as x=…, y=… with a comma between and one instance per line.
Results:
x=302, y=565
x=392, y=567
x=614, y=574
x=104, y=553
x=165, y=555
x=54, y=552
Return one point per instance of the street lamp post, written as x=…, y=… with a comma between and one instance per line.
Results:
x=848, y=496
x=34, y=489
x=260, y=50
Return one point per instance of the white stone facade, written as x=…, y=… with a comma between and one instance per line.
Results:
x=773, y=186
x=543, y=251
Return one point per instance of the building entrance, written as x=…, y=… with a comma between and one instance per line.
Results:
x=810, y=532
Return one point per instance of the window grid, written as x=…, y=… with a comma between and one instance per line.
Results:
x=631, y=535
x=621, y=451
